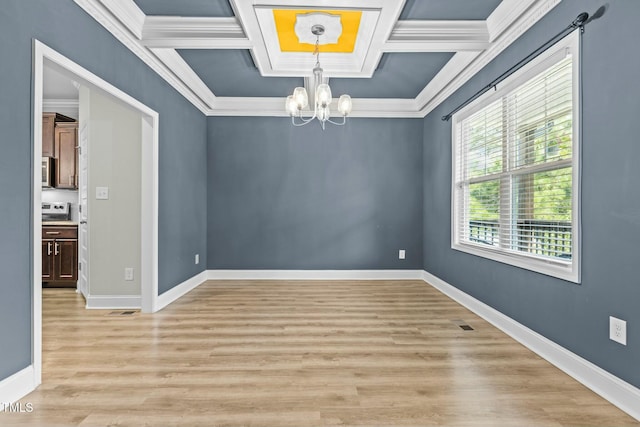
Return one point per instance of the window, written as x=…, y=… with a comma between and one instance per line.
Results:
x=515, y=168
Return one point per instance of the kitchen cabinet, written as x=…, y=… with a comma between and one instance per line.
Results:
x=49, y=121
x=59, y=256
x=66, y=154
x=48, y=134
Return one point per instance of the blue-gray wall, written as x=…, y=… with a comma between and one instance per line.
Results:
x=574, y=316
x=66, y=28
x=282, y=197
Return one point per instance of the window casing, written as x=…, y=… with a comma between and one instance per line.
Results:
x=515, y=184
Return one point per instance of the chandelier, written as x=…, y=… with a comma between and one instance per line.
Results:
x=322, y=95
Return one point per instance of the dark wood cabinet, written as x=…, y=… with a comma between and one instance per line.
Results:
x=59, y=140
x=48, y=134
x=66, y=141
x=59, y=256
x=47, y=259
x=49, y=121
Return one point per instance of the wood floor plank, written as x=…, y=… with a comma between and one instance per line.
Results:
x=297, y=353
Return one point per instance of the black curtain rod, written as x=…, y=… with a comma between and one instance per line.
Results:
x=577, y=23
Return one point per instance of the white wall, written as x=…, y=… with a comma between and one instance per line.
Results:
x=114, y=145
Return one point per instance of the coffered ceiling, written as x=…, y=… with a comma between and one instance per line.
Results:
x=396, y=58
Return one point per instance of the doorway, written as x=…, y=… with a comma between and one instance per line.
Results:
x=148, y=188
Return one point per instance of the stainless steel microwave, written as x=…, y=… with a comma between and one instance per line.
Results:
x=47, y=171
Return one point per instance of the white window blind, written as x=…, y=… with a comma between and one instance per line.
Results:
x=514, y=169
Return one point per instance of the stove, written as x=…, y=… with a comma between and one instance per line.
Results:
x=56, y=211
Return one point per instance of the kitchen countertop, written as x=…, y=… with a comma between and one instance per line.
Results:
x=59, y=223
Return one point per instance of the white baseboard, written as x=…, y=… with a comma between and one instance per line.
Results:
x=113, y=301
x=17, y=385
x=314, y=274
x=618, y=392
x=177, y=291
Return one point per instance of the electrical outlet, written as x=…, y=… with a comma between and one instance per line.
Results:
x=197, y=258
x=618, y=330
x=128, y=274
x=401, y=254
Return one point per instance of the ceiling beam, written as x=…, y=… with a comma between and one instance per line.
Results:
x=194, y=33
x=476, y=44
x=128, y=13
x=227, y=33
x=172, y=59
x=467, y=64
x=103, y=13
x=437, y=36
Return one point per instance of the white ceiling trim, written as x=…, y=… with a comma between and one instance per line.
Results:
x=179, y=66
x=48, y=104
x=296, y=64
x=274, y=107
x=388, y=19
x=378, y=19
x=438, y=36
x=194, y=33
x=456, y=80
x=509, y=20
x=459, y=62
x=128, y=13
x=226, y=33
x=112, y=24
x=505, y=14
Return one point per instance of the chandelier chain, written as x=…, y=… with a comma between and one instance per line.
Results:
x=316, y=52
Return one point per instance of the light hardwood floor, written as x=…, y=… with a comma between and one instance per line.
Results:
x=297, y=354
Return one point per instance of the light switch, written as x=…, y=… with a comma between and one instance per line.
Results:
x=102, y=193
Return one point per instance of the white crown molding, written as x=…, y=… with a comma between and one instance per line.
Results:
x=437, y=36
x=505, y=14
x=448, y=85
x=385, y=108
x=457, y=64
x=385, y=25
x=194, y=33
x=274, y=107
x=175, y=62
x=49, y=103
x=508, y=21
x=128, y=13
x=110, y=22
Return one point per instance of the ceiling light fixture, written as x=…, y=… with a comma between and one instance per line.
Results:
x=322, y=95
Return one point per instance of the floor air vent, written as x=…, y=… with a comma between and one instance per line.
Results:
x=122, y=313
x=462, y=324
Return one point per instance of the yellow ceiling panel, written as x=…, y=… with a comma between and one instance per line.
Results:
x=285, y=20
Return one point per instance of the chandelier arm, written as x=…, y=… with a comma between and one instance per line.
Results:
x=303, y=121
x=344, y=121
